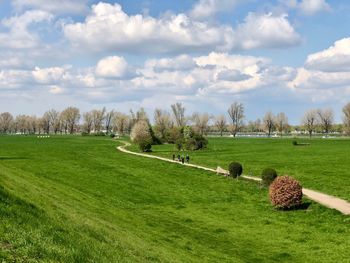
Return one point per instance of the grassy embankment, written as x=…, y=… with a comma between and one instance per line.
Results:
x=77, y=199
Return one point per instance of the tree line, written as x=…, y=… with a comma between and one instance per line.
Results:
x=72, y=121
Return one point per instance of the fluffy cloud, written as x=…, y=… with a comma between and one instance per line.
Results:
x=334, y=59
x=53, y=6
x=50, y=75
x=108, y=27
x=308, y=7
x=266, y=31
x=207, y=8
x=19, y=36
x=113, y=67
x=182, y=62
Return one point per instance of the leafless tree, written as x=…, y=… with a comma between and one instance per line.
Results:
x=108, y=120
x=55, y=120
x=269, y=122
x=120, y=122
x=6, y=120
x=220, y=123
x=309, y=121
x=179, y=114
x=326, y=119
x=346, y=118
x=163, y=122
x=201, y=122
x=46, y=123
x=236, y=113
x=97, y=119
x=70, y=117
x=281, y=122
x=88, y=122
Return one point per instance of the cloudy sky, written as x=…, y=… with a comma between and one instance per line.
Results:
x=279, y=55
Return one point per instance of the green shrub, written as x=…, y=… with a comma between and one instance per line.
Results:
x=112, y=135
x=285, y=192
x=268, y=175
x=85, y=134
x=294, y=142
x=235, y=169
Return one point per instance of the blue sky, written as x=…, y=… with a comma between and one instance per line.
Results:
x=282, y=55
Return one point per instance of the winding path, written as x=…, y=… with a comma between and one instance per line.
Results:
x=327, y=200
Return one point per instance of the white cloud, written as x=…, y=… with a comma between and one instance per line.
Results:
x=50, y=75
x=108, y=27
x=182, y=62
x=19, y=36
x=307, y=7
x=266, y=31
x=53, y=6
x=207, y=8
x=334, y=59
x=112, y=67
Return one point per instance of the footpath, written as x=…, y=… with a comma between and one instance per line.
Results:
x=329, y=201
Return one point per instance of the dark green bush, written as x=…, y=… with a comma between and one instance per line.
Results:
x=85, y=134
x=235, y=169
x=294, y=142
x=268, y=175
x=112, y=135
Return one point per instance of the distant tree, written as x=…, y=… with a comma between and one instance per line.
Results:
x=220, y=123
x=236, y=113
x=140, y=134
x=6, y=121
x=309, y=121
x=88, y=122
x=108, y=120
x=201, y=122
x=269, y=122
x=120, y=122
x=281, y=122
x=55, y=120
x=46, y=122
x=70, y=118
x=162, y=122
x=326, y=119
x=346, y=118
x=179, y=114
x=98, y=117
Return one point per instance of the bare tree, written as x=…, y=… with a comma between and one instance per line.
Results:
x=88, y=122
x=220, y=123
x=310, y=121
x=326, y=119
x=55, y=120
x=269, y=122
x=236, y=113
x=108, y=120
x=163, y=122
x=46, y=123
x=346, y=118
x=70, y=117
x=281, y=122
x=6, y=121
x=97, y=119
x=120, y=122
x=179, y=114
x=201, y=122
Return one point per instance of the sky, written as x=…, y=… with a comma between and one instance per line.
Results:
x=274, y=55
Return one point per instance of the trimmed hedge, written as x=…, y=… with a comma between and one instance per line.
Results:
x=235, y=169
x=285, y=192
x=268, y=176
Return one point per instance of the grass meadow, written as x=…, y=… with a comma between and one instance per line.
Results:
x=77, y=199
x=323, y=165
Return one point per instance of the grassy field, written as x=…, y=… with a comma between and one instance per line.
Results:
x=77, y=199
x=323, y=165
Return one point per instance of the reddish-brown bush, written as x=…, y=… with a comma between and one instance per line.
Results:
x=285, y=192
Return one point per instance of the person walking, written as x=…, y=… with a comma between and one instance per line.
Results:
x=173, y=156
x=179, y=157
x=187, y=158
x=183, y=159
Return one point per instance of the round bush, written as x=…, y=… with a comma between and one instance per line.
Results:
x=268, y=175
x=285, y=192
x=235, y=169
x=294, y=142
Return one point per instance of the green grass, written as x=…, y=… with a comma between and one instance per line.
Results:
x=323, y=165
x=77, y=199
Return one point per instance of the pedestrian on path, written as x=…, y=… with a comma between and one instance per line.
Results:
x=173, y=156
x=183, y=159
x=179, y=157
x=187, y=158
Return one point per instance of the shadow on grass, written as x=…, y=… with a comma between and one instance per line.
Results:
x=12, y=158
x=303, y=206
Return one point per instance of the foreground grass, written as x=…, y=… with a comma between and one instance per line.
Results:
x=323, y=165
x=77, y=199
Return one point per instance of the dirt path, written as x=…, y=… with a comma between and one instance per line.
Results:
x=327, y=200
